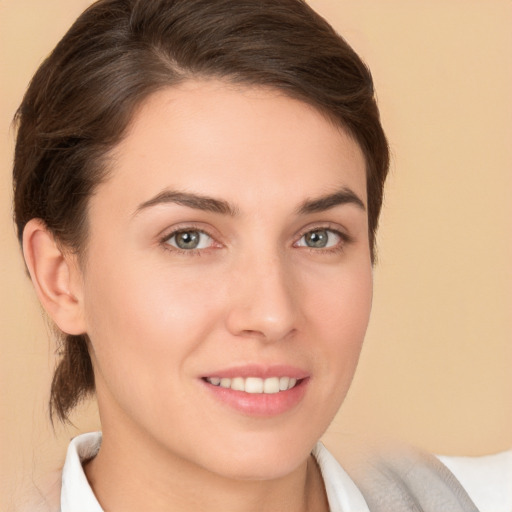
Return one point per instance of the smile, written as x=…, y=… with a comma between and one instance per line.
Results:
x=254, y=385
x=258, y=390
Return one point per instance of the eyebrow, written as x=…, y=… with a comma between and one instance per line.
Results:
x=321, y=204
x=196, y=201
x=210, y=204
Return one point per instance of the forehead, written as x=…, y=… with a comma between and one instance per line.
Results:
x=236, y=142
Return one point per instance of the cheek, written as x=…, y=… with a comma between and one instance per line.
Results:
x=337, y=316
x=146, y=327
x=341, y=316
x=140, y=316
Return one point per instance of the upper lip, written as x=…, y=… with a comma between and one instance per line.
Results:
x=258, y=370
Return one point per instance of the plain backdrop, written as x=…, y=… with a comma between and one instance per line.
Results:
x=436, y=369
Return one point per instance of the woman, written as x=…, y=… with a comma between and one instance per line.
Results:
x=197, y=189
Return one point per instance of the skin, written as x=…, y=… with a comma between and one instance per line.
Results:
x=160, y=318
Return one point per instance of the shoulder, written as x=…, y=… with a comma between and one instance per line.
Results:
x=403, y=478
x=487, y=479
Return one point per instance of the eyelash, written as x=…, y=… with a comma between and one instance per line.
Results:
x=345, y=239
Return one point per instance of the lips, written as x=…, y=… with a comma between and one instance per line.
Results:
x=259, y=391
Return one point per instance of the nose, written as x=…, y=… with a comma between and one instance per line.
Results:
x=264, y=300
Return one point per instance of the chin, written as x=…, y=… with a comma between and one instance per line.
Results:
x=270, y=468
x=262, y=459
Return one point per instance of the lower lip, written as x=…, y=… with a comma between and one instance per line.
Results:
x=260, y=404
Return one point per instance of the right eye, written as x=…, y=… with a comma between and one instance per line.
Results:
x=189, y=239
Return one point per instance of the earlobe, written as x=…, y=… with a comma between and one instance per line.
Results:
x=55, y=276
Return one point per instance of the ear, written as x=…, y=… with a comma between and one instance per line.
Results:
x=56, y=277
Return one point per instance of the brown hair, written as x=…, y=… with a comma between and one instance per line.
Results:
x=116, y=54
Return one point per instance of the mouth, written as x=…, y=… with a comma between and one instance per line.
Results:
x=255, y=385
x=258, y=391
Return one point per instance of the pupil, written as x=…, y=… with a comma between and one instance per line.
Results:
x=317, y=239
x=187, y=239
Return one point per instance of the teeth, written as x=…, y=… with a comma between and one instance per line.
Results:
x=271, y=385
x=237, y=384
x=255, y=384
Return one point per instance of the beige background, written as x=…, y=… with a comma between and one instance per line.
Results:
x=436, y=368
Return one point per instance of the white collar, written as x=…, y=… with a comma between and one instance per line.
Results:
x=76, y=494
x=342, y=493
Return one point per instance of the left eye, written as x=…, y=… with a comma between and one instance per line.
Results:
x=190, y=239
x=319, y=239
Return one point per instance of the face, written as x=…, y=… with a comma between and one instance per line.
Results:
x=227, y=280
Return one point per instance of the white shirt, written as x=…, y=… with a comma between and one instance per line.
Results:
x=487, y=480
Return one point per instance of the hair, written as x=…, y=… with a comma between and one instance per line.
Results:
x=117, y=53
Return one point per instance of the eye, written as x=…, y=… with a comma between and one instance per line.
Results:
x=320, y=239
x=190, y=239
